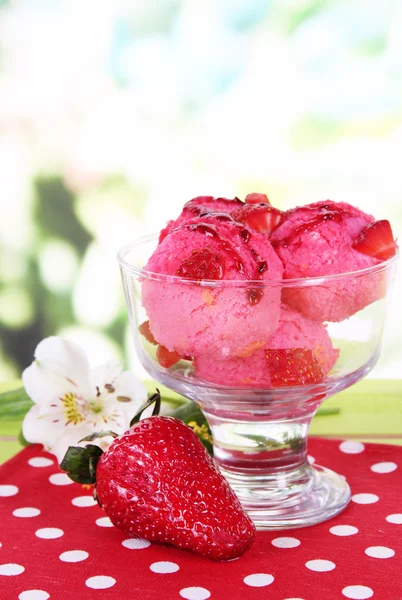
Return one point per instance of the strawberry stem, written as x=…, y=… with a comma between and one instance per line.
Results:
x=154, y=398
x=98, y=434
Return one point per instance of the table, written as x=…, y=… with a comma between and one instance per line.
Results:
x=56, y=543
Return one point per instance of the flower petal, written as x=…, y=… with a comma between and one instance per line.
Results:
x=40, y=388
x=41, y=429
x=104, y=375
x=60, y=366
x=129, y=387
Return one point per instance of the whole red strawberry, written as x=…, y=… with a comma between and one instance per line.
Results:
x=158, y=482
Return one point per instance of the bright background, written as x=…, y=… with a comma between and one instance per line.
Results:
x=113, y=113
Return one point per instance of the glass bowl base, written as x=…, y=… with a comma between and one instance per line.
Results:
x=323, y=496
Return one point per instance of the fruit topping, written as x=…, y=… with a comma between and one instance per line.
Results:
x=376, y=240
x=293, y=366
x=167, y=358
x=259, y=217
x=202, y=264
x=145, y=330
x=257, y=199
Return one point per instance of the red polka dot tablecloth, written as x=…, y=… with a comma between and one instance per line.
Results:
x=55, y=542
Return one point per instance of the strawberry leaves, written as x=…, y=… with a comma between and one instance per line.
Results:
x=80, y=463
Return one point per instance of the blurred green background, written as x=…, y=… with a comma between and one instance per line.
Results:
x=113, y=113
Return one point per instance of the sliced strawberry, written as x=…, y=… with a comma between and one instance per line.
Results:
x=376, y=240
x=293, y=366
x=202, y=264
x=167, y=358
x=259, y=217
x=257, y=199
x=145, y=330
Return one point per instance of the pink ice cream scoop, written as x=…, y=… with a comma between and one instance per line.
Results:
x=192, y=318
x=317, y=240
x=201, y=206
x=296, y=335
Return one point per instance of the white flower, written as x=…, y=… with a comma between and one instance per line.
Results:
x=72, y=400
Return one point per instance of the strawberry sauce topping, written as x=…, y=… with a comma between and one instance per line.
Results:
x=328, y=212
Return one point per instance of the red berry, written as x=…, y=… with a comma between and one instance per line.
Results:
x=257, y=199
x=202, y=264
x=259, y=217
x=145, y=330
x=167, y=358
x=376, y=240
x=157, y=481
x=293, y=366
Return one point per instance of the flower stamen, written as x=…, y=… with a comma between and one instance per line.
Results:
x=72, y=409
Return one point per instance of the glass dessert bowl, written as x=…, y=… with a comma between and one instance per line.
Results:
x=259, y=368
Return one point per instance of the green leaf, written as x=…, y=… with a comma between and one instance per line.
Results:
x=326, y=412
x=22, y=440
x=80, y=463
x=14, y=404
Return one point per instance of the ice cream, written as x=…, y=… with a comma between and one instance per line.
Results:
x=217, y=293
x=230, y=320
x=317, y=240
x=295, y=333
x=201, y=206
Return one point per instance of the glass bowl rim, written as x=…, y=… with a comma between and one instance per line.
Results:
x=295, y=282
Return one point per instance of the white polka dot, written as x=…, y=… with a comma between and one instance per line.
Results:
x=28, y=511
x=365, y=498
x=135, y=543
x=384, y=467
x=258, y=579
x=164, y=566
x=344, y=530
x=8, y=490
x=11, y=569
x=40, y=461
x=380, y=552
x=49, y=533
x=60, y=479
x=104, y=522
x=83, y=501
x=286, y=542
x=73, y=556
x=293, y=598
x=311, y=459
x=33, y=595
x=396, y=519
x=195, y=593
x=320, y=565
x=100, y=582
x=351, y=447
x=357, y=592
